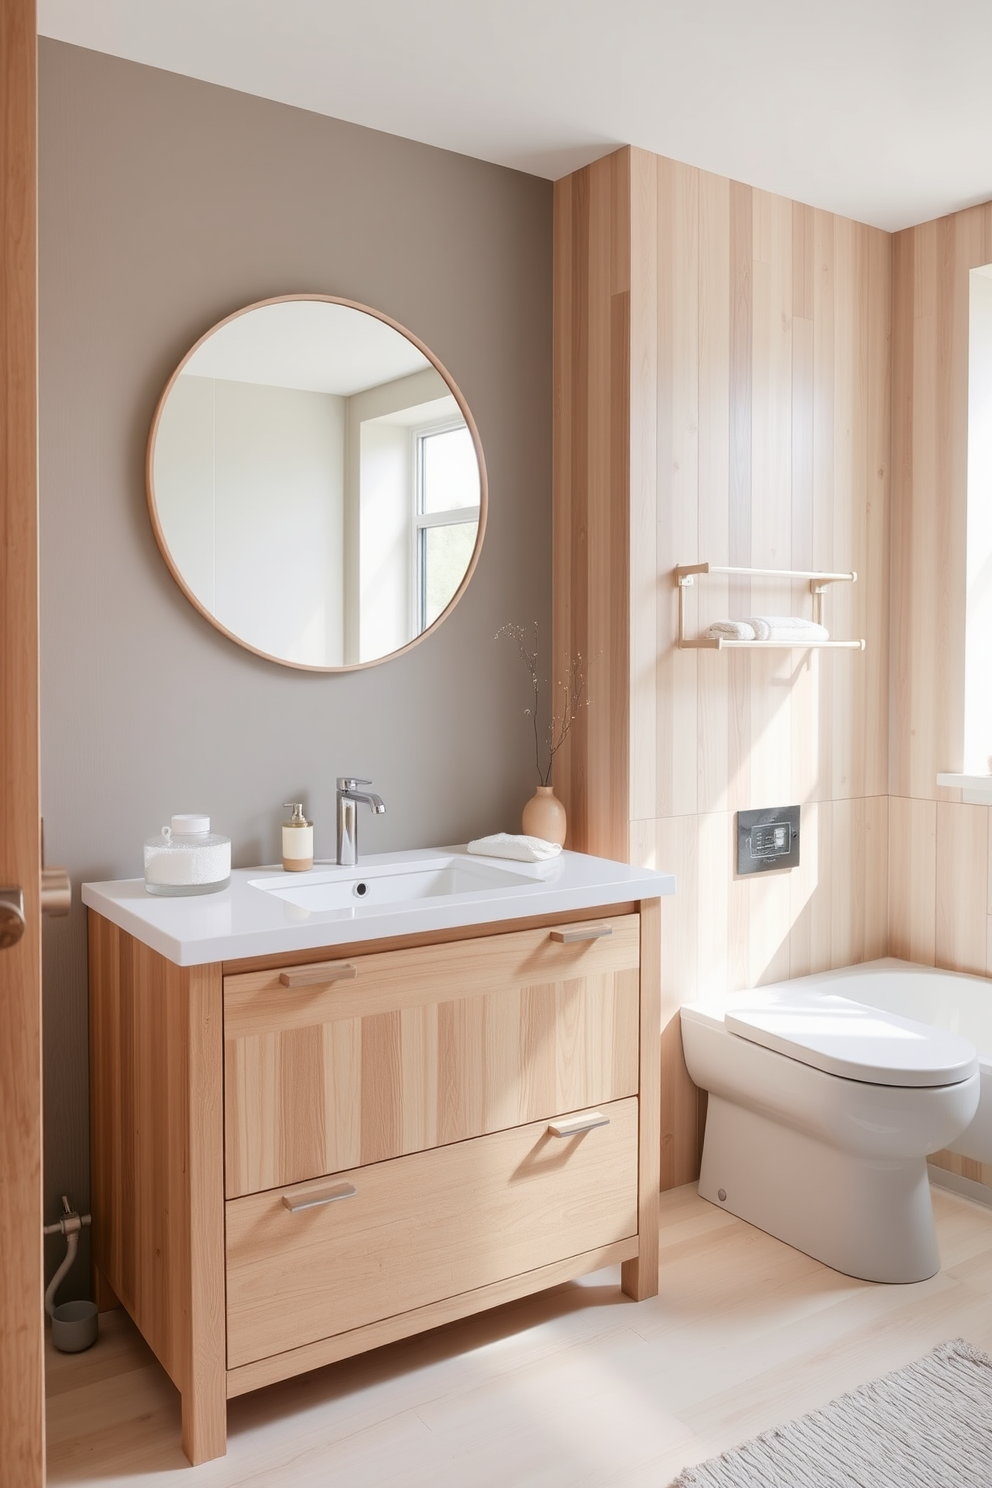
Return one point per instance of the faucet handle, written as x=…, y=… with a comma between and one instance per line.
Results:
x=349, y=782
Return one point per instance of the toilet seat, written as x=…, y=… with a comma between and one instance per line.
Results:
x=845, y=1038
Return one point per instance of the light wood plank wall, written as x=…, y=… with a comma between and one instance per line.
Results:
x=940, y=909
x=722, y=393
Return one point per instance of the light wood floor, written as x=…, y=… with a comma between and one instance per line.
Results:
x=576, y=1387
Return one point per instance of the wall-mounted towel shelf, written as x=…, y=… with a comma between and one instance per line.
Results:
x=685, y=575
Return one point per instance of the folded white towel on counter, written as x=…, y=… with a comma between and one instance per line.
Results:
x=769, y=628
x=523, y=849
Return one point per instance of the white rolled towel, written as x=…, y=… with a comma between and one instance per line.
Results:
x=786, y=628
x=523, y=849
x=768, y=628
x=731, y=630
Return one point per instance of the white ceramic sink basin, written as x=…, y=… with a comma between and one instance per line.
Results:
x=325, y=889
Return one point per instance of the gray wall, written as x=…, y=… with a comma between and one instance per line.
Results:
x=165, y=204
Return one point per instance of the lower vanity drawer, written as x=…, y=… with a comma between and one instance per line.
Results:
x=423, y=1227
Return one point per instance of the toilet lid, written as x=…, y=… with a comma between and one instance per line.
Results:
x=856, y=1042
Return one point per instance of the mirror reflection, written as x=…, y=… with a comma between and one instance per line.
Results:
x=315, y=484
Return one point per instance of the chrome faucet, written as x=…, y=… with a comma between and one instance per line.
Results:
x=348, y=799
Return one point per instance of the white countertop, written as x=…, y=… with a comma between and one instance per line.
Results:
x=248, y=920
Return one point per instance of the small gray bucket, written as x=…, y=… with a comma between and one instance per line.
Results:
x=74, y=1326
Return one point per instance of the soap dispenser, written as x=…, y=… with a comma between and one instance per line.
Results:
x=297, y=840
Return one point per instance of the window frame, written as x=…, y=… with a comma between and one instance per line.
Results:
x=423, y=521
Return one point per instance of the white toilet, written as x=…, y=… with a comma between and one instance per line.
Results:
x=821, y=1115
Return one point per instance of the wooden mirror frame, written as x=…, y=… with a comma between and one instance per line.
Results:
x=470, y=424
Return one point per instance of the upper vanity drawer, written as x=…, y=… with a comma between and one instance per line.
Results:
x=373, y=1056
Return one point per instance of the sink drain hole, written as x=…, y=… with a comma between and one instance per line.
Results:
x=361, y=889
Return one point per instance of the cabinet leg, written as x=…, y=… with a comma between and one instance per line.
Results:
x=205, y=1422
x=639, y=1277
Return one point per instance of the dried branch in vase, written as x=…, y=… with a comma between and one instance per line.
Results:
x=550, y=736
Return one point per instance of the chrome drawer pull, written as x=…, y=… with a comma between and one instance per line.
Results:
x=327, y=971
x=587, y=932
x=569, y=1126
x=313, y=1201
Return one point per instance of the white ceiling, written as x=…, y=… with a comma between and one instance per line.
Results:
x=878, y=109
x=310, y=344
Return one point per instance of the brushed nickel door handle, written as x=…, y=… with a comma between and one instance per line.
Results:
x=11, y=917
x=584, y=932
x=570, y=1126
x=56, y=891
x=313, y=976
x=314, y=1200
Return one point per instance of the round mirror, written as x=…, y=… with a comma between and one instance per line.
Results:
x=316, y=483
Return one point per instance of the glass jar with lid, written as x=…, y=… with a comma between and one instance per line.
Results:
x=187, y=858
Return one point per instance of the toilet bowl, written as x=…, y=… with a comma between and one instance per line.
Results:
x=820, y=1118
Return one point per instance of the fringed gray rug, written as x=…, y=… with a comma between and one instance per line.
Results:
x=926, y=1426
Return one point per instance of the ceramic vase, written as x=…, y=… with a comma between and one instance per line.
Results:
x=544, y=816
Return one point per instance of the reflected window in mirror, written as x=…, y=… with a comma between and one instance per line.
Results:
x=316, y=483
x=447, y=515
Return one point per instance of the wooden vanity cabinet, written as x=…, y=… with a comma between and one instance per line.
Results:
x=299, y=1158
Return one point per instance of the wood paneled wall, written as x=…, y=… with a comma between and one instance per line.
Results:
x=722, y=393
x=592, y=505
x=940, y=909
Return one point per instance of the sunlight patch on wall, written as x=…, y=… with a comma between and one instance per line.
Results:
x=978, y=621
